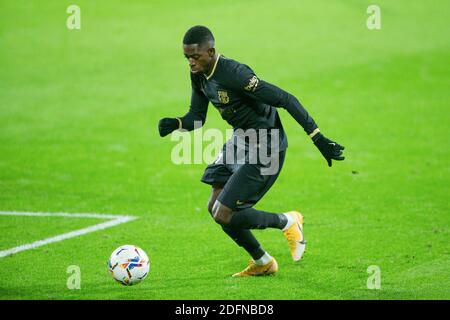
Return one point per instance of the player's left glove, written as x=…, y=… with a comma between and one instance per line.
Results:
x=329, y=149
x=167, y=125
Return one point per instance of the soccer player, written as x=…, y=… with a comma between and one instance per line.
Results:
x=246, y=103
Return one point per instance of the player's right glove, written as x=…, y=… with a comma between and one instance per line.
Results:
x=167, y=125
x=329, y=149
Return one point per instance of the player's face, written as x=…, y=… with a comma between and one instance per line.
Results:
x=199, y=57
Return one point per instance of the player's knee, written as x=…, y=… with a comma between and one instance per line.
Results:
x=221, y=214
x=221, y=218
x=212, y=200
x=210, y=205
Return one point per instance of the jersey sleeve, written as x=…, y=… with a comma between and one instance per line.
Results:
x=198, y=108
x=250, y=85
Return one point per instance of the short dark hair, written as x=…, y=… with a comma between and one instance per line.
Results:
x=198, y=35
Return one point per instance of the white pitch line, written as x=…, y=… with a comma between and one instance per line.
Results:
x=116, y=220
x=61, y=214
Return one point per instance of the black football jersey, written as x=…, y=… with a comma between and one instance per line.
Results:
x=243, y=100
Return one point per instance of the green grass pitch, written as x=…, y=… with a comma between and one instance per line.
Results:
x=78, y=133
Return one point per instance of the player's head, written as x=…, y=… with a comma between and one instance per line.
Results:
x=198, y=47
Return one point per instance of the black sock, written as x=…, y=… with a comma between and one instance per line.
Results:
x=244, y=238
x=255, y=219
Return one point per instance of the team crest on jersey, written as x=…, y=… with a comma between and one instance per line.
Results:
x=223, y=97
x=252, y=84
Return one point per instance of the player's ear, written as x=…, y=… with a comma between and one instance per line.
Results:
x=211, y=52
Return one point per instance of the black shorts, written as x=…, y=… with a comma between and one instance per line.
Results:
x=243, y=184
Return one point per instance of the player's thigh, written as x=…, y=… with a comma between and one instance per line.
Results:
x=218, y=172
x=248, y=185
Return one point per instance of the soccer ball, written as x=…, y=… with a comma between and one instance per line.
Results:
x=129, y=265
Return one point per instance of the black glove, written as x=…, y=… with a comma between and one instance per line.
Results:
x=329, y=149
x=167, y=125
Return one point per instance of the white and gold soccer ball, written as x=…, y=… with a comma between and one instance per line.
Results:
x=129, y=265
